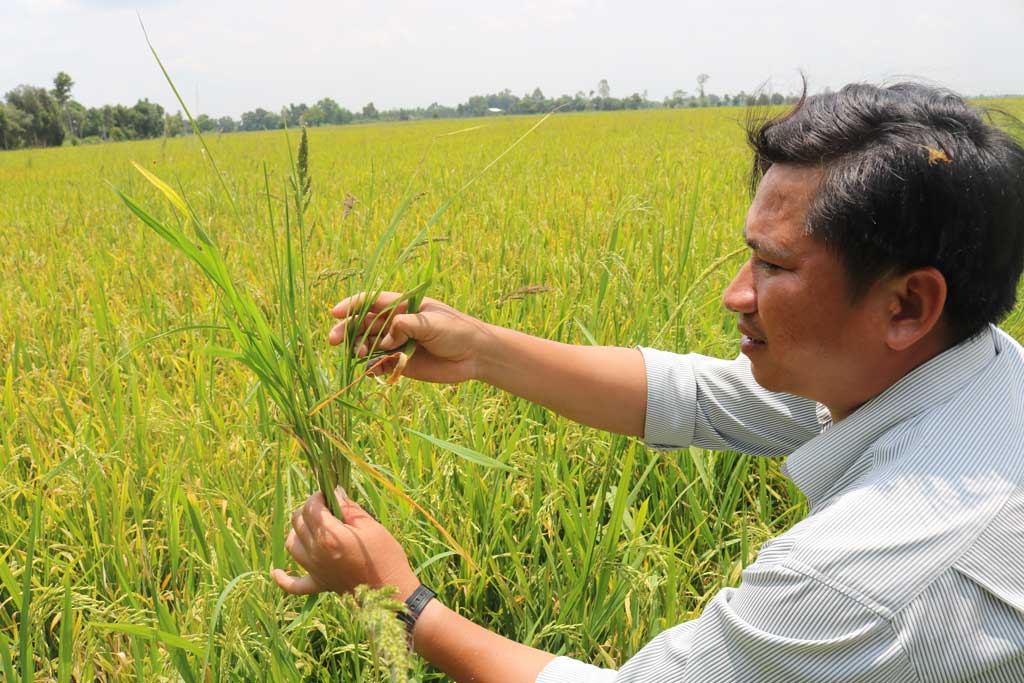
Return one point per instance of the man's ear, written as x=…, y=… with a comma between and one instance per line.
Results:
x=916, y=300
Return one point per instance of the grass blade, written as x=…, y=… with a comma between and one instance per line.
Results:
x=25, y=630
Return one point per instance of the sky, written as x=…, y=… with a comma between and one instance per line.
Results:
x=228, y=56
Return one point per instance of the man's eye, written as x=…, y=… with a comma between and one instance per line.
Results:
x=765, y=265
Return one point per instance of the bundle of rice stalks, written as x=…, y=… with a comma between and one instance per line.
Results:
x=317, y=398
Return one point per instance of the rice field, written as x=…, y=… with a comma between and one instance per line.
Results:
x=145, y=487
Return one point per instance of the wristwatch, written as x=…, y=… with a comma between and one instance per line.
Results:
x=414, y=606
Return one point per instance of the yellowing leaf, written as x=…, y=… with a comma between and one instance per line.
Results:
x=163, y=187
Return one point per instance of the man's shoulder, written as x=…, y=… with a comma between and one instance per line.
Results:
x=936, y=488
x=890, y=548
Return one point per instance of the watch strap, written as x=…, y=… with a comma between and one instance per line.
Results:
x=414, y=606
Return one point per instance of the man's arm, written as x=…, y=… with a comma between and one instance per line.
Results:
x=785, y=624
x=670, y=400
x=599, y=386
x=340, y=555
x=468, y=652
x=717, y=404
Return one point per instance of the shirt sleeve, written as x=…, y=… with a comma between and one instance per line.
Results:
x=564, y=670
x=781, y=626
x=717, y=404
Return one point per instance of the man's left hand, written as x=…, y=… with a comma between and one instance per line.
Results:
x=342, y=554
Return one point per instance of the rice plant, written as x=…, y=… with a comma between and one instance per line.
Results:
x=317, y=403
x=162, y=478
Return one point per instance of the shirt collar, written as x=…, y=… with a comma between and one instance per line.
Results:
x=820, y=463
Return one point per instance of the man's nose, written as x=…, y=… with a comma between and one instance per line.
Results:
x=740, y=296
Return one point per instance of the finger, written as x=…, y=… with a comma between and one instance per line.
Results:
x=337, y=333
x=300, y=529
x=342, y=329
x=411, y=326
x=320, y=523
x=371, y=321
x=369, y=329
x=296, y=585
x=353, y=304
x=404, y=327
x=373, y=332
x=372, y=325
x=351, y=512
x=345, y=307
x=297, y=549
x=392, y=340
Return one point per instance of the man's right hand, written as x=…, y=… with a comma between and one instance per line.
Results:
x=448, y=341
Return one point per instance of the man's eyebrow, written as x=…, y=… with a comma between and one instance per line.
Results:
x=767, y=247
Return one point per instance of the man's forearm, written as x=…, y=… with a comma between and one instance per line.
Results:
x=468, y=652
x=599, y=386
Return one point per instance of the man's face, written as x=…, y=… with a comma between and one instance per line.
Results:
x=800, y=330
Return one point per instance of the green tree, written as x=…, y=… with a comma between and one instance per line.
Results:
x=62, y=84
x=370, y=111
x=329, y=107
x=314, y=116
x=260, y=119
x=604, y=91
x=13, y=125
x=44, y=127
x=344, y=116
x=174, y=125
x=476, y=106
x=93, y=124
x=293, y=114
x=678, y=98
x=205, y=123
x=74, y=117
x=147, y=119
x=334, y=114
x=701, y=80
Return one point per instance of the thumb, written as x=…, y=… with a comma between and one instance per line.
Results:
x=404, y=327
x=351, y=512
x=296, y=585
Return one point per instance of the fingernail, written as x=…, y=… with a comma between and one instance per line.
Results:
x=338, y=490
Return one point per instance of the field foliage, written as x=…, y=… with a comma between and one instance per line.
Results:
x=145, y=490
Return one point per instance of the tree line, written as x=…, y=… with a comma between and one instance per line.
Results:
x=32, y=116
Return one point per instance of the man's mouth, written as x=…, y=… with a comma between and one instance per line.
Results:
x=750, y=337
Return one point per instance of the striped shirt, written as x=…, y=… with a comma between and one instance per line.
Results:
x=910, y=563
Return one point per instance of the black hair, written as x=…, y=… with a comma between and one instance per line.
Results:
x=913, y=176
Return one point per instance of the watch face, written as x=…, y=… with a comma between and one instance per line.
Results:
x=419, y=599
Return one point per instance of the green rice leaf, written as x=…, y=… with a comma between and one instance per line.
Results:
x=25, y=633
x=5, y=658
x=8, y=581
x=462, y=451
x=151, y=634
x=216, y=618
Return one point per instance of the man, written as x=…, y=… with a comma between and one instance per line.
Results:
x=887, y=239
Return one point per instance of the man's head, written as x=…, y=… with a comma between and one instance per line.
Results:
x=901, y=213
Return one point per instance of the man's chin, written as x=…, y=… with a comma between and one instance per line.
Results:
x=765, y=377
